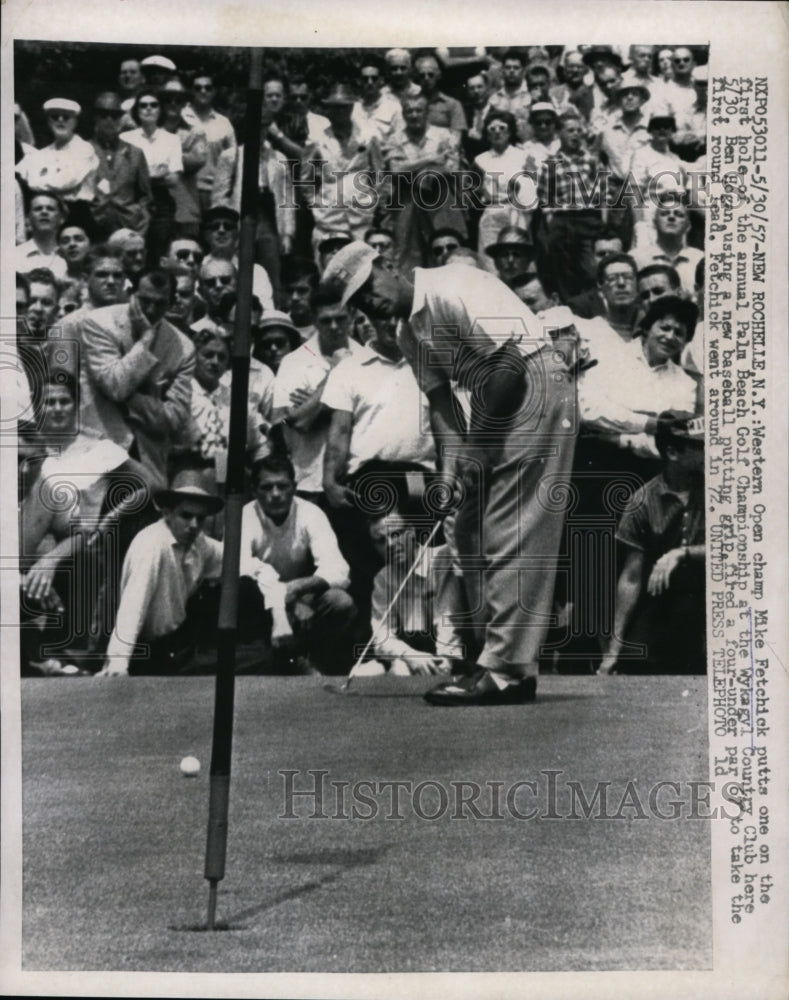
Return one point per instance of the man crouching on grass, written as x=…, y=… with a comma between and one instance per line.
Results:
x=293, y=577
x=164, y=567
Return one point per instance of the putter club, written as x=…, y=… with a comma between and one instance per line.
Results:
x=344, y=688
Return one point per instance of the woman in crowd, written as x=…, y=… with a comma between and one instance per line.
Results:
x=210, y=423
x=162, y=150
x=503, y=161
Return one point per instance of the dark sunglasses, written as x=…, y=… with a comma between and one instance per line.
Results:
x=224, y=281
x=216, y=226
x=188, y=254
x=108, y=113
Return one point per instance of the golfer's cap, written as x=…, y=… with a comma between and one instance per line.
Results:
x=350, y=267
x=62, y=104
x=700, y=75
x=158, y=62
x=558, y=318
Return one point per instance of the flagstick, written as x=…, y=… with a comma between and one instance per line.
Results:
x=222, y=746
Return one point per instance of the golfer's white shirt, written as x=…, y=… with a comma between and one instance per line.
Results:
x=458, y=309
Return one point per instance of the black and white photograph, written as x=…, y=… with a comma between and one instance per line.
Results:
x=393, y=480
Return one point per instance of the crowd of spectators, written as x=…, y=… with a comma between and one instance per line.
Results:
x=574, y=177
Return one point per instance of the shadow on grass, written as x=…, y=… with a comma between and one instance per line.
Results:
x=342, y=857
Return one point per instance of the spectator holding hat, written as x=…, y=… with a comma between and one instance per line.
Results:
x=67, y=167
x=163, y=569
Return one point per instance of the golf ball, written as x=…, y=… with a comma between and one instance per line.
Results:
x=190, y=767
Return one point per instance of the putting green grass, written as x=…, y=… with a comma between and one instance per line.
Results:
x=114, y=834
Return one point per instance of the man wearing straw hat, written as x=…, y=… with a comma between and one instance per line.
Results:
x=164, y=567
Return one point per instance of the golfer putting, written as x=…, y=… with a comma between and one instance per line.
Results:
x=506, y=465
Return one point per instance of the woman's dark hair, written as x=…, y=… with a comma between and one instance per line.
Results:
x=135, y=108
x=502, y=116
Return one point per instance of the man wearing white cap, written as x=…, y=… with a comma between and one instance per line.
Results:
x=67, y=167
x=164, y=566
x=157, y=70
x=465, y=327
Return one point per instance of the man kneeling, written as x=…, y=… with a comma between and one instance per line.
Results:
x=416, y=601
x=289, y=550
x=164, y=567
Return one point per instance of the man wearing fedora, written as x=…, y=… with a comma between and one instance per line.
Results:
x=512, y=253
x=273, y=338
x=626, y=131
x=164, y=567
x=341, y=171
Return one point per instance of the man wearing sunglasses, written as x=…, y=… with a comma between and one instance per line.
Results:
x=67, y=167
x=679, y=93
x=218, y=130
x=220, y=227
x=123, y=184
x=377, y=114
x=442, y=110
x=671, y=220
